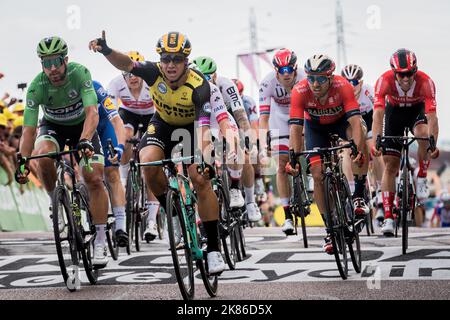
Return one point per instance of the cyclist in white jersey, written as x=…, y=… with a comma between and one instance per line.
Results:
x=235, y=108
x=252, y=110
x=132, y=95
x=274, y=106
x=364, y=93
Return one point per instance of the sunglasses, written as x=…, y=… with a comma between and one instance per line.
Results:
x=354, y=82
x=48, y=63
x=319, y=79
x=284, y=70
x=408, y=74
x=176, y=59
x=127, y=75
x=208, y=77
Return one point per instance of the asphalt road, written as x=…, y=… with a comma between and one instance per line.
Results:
x=277, y=267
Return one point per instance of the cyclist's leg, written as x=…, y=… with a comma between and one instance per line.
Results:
x=359, y=171
x=130, y=125
x=112, y=176
x=420, y=129
x=50, y=139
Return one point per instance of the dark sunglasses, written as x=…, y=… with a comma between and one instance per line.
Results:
x=48, y=63
x=208, y=77
x=319, y=79
x=408, y=74
x=127, y=75
x=284, y=70
x=177, y=59
x=354, y=82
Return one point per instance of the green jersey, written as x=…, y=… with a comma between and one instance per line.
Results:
x=63, y=105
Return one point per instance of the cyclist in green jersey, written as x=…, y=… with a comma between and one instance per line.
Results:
x=65, y=93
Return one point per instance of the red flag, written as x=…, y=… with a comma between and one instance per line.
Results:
x=247, y=60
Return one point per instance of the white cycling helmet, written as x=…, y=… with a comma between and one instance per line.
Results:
x=445, y=196
x=352, y=72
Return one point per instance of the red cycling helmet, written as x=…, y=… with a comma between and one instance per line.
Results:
x=284, y=58
x=404, y=60
x=239, y=85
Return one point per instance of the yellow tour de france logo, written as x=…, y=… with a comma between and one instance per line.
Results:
x=151, y=129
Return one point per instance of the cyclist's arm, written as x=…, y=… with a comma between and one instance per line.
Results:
x=30, y=118
x=433, y=126
x=430, y=108
x=264, y=109
x=201, y=98
x=27, y=141
x=120, y=60
x=379, y=108
x=90, y=101
x=296, y=121
x=119, y=129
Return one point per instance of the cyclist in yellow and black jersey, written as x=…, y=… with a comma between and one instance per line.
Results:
x=181, y=97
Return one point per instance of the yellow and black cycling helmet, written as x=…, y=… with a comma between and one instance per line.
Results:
x=174, y=42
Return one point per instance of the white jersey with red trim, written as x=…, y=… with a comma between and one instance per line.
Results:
x=275, y=101
x=219, y=112
x=366, y=99
x=120, y=93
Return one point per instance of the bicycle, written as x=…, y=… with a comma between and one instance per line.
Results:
x=341, y=224
x=181, y=203
x=405, y=187
x=72, y=220
x=300, y=201
x=111, y=239
x=135, y=194
x=229, y=218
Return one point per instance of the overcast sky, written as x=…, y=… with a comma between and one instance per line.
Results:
x=374, y=30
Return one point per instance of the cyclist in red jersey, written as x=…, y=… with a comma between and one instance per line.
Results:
x=325, y=104
x=404, y=97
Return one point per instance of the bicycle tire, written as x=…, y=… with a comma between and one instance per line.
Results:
x=211, y=282
x=60, y=200
x=302, y=220
x=111, y=240
x=405, y=208
x=86, y=245
x=129, y=212
x=110, y=229
x=240, y=239
x=336, y=230
x=227, y=230
x=161, y=222
x=353, y=234
x=183, y=271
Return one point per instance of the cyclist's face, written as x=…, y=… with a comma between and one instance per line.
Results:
x=56, y=72
x=173, y=66
x=286, y=79
x=132, y=81
x=319, y=88
x=405, y=80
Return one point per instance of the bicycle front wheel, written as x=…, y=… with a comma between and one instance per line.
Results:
x=211, y=282
x=404, y=209
x=227, y=230
x=336, y=226
x=65, y=238
x=181, y=253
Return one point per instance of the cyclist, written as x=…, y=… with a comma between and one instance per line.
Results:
x=325, y=103
x=110, y=127
x=181, y=96
x=65, y=92
x=253, y=116
x=132, y=95
x=274, y=104
x=364, y=94
x=404, y=97
x=442, y=211
x=235, y=108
